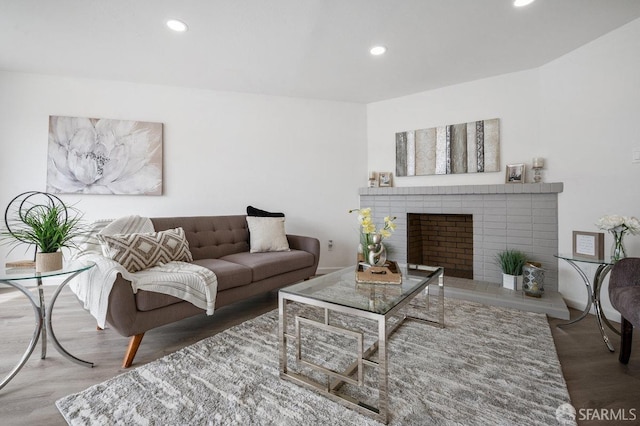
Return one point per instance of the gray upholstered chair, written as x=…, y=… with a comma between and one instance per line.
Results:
x=624, y=293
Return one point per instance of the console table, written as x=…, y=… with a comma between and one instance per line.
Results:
x=14, y=278
x=593, y=291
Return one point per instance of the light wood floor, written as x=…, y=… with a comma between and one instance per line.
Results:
x=594, y=377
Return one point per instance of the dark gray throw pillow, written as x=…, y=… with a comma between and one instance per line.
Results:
x=252, y=211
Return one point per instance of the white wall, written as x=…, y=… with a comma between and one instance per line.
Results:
x=222, y=152
x=579, y=112
x=307, y=158
x=513, y=98
x=590, y=110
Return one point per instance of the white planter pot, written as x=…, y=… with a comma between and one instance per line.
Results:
x=512, y=282
x=46, y=262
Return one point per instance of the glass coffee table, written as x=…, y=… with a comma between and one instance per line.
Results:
x=340, y=294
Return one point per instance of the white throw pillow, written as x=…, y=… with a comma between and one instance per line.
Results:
x=267, y=234
x=128, y=225
x=89, y=243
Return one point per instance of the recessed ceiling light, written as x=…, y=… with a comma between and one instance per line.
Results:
x=520, y=3
x=377, y=50
x=176, y=25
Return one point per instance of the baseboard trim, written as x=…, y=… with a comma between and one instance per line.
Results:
x=611, y=314
x=328, y=270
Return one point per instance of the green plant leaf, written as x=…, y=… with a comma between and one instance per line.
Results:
x=50, y=227
x=511, y=261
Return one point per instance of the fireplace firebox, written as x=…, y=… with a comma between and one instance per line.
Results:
x=441, y=239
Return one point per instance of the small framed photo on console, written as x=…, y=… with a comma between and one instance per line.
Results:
x=589, y=245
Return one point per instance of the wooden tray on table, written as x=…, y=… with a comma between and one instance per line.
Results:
x=389, y=273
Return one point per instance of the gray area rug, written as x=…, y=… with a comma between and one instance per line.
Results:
x=489, y=366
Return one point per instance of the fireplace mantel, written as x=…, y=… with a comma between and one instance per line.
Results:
x=508, y=188
x=515, y=215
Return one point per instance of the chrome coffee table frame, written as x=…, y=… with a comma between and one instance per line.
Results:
x=335, y=379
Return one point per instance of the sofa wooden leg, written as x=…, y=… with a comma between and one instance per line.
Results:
x=134, y=344
x=625, y=346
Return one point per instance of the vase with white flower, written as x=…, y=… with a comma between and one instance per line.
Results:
x=619, y=226
x=371, y=249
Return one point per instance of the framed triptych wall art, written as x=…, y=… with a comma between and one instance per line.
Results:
x=472, y=147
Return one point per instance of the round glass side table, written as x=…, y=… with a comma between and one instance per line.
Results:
x=593, y=291
x=15, y=278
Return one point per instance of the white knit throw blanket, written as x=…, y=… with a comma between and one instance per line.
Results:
x=193, y=283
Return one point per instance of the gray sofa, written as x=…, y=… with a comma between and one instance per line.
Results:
x=220, y=243
x=624, y=294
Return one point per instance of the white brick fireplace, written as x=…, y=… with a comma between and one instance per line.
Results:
x=516, y=216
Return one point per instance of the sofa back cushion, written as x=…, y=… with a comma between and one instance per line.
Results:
x=210, y=237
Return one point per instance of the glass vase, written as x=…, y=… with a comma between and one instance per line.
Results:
x=618, y=251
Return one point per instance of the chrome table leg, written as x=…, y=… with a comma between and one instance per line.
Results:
x=49, y=327
x=36, y=332
x=593, y=299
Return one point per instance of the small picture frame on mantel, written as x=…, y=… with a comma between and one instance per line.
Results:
x=385, y=178
x=588, y=245
x=515, y=173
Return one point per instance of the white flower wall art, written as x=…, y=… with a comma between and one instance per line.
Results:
x=102, y=156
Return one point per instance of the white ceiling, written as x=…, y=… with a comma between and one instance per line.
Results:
x=302, y=48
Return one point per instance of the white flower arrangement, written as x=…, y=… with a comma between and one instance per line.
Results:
x=368, y=227
x=615, y=223
x=371, y=237
x=619, y=226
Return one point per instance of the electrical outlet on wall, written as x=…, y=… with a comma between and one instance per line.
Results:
x=330, y=245
x=635, y=155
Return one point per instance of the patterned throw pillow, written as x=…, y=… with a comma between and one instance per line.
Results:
x=141, y=251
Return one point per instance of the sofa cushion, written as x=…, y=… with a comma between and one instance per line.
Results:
x=229, y=274
x=136, y=252
x=210, y=237
x=267, y=234
x=266, y=265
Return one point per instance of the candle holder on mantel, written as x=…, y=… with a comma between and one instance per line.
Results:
x=538, y=165
x=373, y=180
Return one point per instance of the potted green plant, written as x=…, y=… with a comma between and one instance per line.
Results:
x=43, y=220
x=511, y=263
